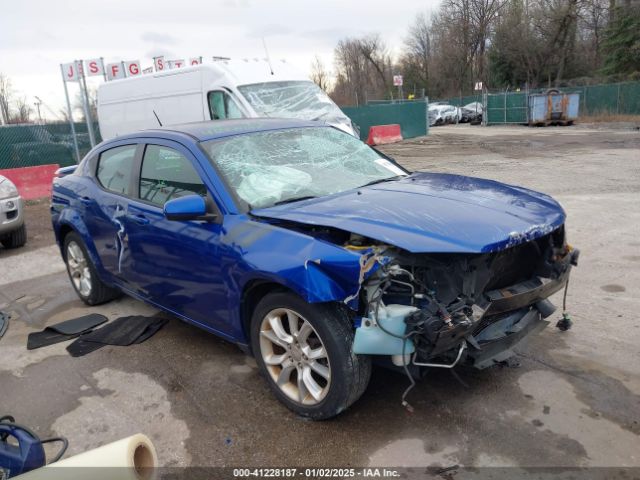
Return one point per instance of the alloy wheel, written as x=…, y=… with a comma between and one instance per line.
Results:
x=295, y=356
x=79, y=269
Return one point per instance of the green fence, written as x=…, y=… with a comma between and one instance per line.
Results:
x=512, y=107
x=463, y=100
x=410, y=115
x=30, y=145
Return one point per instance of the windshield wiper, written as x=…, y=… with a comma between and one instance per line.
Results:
x=381, y=180
x=295, y=199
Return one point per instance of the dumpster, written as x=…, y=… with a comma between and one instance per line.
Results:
x=553, y=107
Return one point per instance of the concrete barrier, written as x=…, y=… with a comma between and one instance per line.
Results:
x=32, y=182
x=381, y=134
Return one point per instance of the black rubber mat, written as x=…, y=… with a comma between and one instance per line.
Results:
x=4, y=323
x=63, y=331
x=122, y=331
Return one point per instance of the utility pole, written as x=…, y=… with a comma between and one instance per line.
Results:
x=85, y=101
x=37, y=105
x=70, y=113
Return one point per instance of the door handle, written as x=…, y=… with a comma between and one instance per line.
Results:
x=139, y=219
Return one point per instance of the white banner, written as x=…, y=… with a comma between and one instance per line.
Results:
x=158, y=63
x=195, y=61
x=94, y=67
x=115, y=70
x=132, y=68
x=70, y=72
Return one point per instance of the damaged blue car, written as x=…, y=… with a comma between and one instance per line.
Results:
x=312, y=251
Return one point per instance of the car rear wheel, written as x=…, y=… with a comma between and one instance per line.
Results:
x=305, y=353
x=16, y=239
x=83, y=274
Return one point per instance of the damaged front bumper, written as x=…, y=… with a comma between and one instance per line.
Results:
x=479, y=334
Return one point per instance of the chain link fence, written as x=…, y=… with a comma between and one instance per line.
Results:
x=513, y=107
x=31, y=145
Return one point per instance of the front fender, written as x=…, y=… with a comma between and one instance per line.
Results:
x=316, y=270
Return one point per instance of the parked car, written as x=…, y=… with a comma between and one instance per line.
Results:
x=440, y=114
x=471, y=113
x=13, y=232
x=312, y=251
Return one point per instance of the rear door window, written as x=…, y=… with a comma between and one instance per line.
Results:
x=222, y=106
x=115, y=167
x=167, y=174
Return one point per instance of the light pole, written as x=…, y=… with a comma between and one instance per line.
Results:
x=37, y=104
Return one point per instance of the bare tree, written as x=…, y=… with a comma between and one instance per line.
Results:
x=417, y=52
x=363, y=70
x=78, y=103
x=375, y=52
x=23, y=111
x=6, y=98
x=319, y=74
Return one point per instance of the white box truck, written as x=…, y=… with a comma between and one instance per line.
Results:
x=219, y=90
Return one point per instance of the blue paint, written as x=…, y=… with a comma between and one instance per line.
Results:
x=185, y=208
x=200, y=270
x=432, y=212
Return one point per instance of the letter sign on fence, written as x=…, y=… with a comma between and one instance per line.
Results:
x=133, y=68
x=94, y=67
x=195, y=61
x=397, y=80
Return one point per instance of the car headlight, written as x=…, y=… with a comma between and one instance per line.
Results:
x=7, y=189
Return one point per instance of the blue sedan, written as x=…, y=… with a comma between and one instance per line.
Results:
x=312, y=251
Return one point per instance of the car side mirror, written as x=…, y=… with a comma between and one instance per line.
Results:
x=189, y=207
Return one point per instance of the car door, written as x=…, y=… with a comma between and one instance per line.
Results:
x=175, y=264
x=105, y=207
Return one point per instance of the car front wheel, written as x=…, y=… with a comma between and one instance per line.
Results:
x=305, y=352
x=15, y=239
x=83, y=274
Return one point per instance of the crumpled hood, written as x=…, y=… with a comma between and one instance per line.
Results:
x=432, y=213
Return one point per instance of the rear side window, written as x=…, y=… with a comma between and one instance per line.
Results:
x=167, y=174
x=222, y=106
x=115, y=169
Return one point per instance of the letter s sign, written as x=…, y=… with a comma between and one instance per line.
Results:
x=94, y=67
x=159, y=63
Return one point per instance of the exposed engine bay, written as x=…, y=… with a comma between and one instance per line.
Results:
x=439, y=310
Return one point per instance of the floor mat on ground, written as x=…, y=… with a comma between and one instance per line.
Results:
x=122, y=331
x=63, y=331
x=4, y=323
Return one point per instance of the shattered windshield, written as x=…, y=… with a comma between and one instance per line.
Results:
x=293, y=99
x=266, y=168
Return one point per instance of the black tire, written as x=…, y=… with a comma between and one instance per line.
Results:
x=99, y=292
x=349, y=373
x=16, y=239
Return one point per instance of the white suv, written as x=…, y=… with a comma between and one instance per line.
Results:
x=13, y=232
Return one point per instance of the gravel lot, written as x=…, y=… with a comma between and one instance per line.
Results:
x=573, y=401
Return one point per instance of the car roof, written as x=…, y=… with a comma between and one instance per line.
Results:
x=214, y=129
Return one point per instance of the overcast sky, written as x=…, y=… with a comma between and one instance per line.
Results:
x=37, y=35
